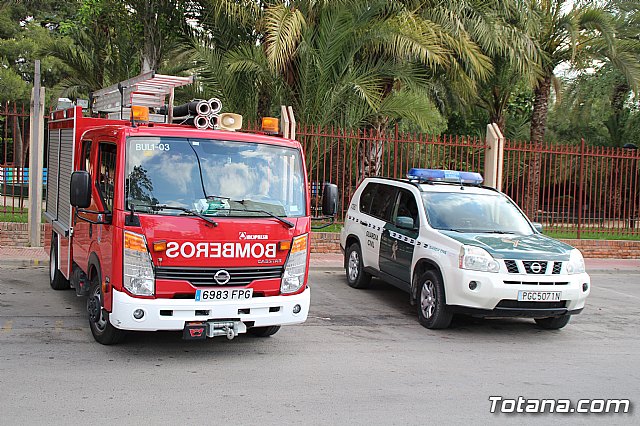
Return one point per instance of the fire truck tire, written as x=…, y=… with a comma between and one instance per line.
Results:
x=56, y=279
x=432, y=307
x=264, y=331
x=553, y=323
x=356, y=275
x=101, y=328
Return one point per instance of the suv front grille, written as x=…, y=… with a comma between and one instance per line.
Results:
x=205, y=276
x=535, y=266
x=512, y=266
x=554, y=268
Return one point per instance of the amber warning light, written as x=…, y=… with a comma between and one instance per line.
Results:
x=270, y=125
x=140, y=114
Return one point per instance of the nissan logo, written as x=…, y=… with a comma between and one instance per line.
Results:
x=222, y=277
x=536, y=268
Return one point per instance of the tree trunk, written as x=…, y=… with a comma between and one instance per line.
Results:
x=18, y=145
x=152, y=37
x=371, y=151
x=540, y=109
x=538, y=129
x=500, y=120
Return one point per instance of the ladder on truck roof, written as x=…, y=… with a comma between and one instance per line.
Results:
x=148, y=89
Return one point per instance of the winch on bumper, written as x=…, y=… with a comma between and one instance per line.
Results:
x=130, y=313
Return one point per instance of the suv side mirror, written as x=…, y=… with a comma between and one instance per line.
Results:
x=537, y=226
x=405, y=222
x=80, y=189
x=329, y=199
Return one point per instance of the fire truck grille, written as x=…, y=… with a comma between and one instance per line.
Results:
x=206, y=276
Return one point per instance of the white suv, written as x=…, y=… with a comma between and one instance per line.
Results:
x=459, y=247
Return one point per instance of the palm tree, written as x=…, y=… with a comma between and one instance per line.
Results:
x=100, y=49
x=577, y=36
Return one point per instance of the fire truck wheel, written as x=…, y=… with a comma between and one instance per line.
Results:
x=264, y=331
x=56, y=279
x=432, y=309
x=101, y=328
x=356, y=275
x=553, y=323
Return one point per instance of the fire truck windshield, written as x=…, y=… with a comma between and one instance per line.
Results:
x=214, y=177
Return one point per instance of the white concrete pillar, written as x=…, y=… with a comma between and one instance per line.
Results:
x=494, y=157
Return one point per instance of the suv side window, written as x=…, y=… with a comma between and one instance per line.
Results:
x=368, y=194
x=407, y=207
x=107, y=174
x=383, y=203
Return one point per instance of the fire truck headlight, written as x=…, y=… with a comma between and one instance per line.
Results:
x=138, y=276
x=296, y=267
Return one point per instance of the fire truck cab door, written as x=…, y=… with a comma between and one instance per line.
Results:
x=89, y=237
x=82, y=230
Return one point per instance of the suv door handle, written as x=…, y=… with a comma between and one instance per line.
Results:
x=364, y=223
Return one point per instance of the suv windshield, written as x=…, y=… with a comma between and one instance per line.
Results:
x=213, y=177
x=464, y=212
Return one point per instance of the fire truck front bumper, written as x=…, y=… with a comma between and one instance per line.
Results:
x=130, y=313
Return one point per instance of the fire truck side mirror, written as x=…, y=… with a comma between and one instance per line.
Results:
x=330, y=199
x=80, y=189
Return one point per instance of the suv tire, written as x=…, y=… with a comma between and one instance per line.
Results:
x=354, y=268
x=432, y=308
x=553, y=323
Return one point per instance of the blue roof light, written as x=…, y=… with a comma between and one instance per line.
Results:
x=453, y=176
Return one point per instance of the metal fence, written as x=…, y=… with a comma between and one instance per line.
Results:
x=575, y=190
x=14, y=143
x=347, y=157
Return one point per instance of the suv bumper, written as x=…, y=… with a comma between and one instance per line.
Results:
x=261, y=311
x=513, y=312
x=492, y=289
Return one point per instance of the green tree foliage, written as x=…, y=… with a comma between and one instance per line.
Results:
x=24, y=27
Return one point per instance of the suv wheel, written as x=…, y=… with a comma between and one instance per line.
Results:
x=356, y=276
x=553, y=323
x=432, y=309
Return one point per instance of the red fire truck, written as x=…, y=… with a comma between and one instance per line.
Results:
x=169, y=227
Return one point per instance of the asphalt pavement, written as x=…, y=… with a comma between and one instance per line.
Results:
x=361, y=358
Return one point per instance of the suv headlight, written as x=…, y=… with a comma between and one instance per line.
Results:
x=138, y=273
x=576, y=263
x=296, y=267
x=477, y=259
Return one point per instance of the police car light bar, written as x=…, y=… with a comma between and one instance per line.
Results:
x=453, y=176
